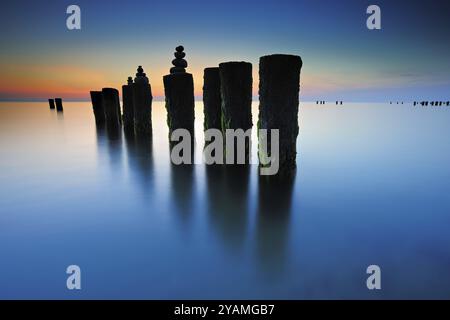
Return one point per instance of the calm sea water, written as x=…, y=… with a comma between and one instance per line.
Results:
x=372, y=187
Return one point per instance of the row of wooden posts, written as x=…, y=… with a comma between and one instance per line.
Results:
x=227, y=99
x=432, y=103
x=57, y=102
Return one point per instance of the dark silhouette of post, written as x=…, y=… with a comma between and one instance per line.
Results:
x=142, y=102
x=59, y=105
x=212, y=101
x=97, y=107
x=51, y=102
x=179, y=92
x=236, y=91
x=128, y=105
x=110, y=100
x=279, y=86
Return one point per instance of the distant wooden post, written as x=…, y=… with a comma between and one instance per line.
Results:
x=179, y=92
x=110, y=100
x=212, y=100
x=142, y=102
x=97, y=107
x=128, y=105
x=51, y=102
x=279, y=86
x=59, y=105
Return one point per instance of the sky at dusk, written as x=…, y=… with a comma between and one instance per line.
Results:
x=409, y=58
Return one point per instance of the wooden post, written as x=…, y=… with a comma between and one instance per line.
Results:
x=211, y=99
x=110, y=100
x=279, y=86
x=142, y=102
x=236, y=92
x=128, y=105
x=179, y=92
x=59, y=105
x=51, y=102
x=97, y=107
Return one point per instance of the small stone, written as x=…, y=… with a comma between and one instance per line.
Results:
x=141, y=76
x=177, y=70
x=179, y=48
x=179, y=55
x=179, y=63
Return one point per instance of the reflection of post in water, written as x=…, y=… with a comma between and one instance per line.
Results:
x=182, y=185
x=273, y=215
x=109, y=141
x=140, y=158
x=227, y=192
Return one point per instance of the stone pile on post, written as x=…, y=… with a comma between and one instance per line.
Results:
x=128, y=105
x=236, y=93
x=279, y=86
x=179, y=93
x=142, y=102
x=97, y=107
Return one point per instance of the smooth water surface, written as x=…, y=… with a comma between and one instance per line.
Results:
x=372, y=187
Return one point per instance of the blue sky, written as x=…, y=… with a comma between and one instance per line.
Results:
x=407, y=59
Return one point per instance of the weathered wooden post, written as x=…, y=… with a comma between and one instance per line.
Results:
x=279, y=86
x=142, y=102
x=128, y=105
x=97, y=107
x=51, y=102
x=212, y=100
x=179, y=92
x=110, y=100
x=236, y=92
x=59, y=105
